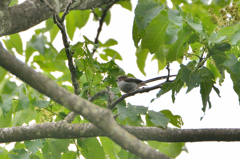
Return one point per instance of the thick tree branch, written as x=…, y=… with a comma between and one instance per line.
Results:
x=70, y=117
x=62, y=130
x=32, y=12
x=100, y=117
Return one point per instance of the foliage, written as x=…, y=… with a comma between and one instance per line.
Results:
x=206, y=39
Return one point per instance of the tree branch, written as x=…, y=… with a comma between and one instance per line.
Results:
x=104, y=13
x=143, y=90
x=59, y=22
x=4, y=3
x=63, y=130
x=34, y=12
x=70, y=117
x=100, y=117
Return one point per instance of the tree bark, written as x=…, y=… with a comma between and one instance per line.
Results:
x=63, y=130
x=32, y=12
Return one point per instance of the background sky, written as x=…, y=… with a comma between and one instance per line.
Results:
x=225, y=111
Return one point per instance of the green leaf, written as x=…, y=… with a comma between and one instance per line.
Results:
x=53, y=148
x=126, y=4
x=112, y=53
x=33, y=145
x=110, y=42
x=175, y=17
x=223, y=46
x=121, y=108
x=65, y=77
x=38, y=43
x=175, y=120
x=233, y=64
x=126, y=155
x=13, y=2
x=206, y=86
x=171, y=34
x=219, y=58
x=40, y=103
x=135, y=111
x=215, y=39
x=4, y=153
x=81, y=17
x=235, y=38
x=192, y=79
x=141, y=59
x=91, y=148
x=158, y=118
x=17, y=43
x=23, y=116
x=155, y=33
x=23, y=102
x=109, y=147
x=136, y=35
x=195, y=23
x=170, y=149
x=6, y=103
x=5, y=120
x=230, y=30
x=108, y=18
x=29, y=51
x=19, y=153
x=70, y=24
x=211, y=66
x=78, y=50
x=165, y=88
x=61, y=55
x=178, y=48
x=145, y=12
x=205, y=89
x=236, y=82
x=52, y=28
x=208, y=24
x=69, y=155
x=3, y=73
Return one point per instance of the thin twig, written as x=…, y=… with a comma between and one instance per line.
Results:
x=66, y=11
x=70, y=117
x=59, y=22
x=143, y=90
x=104, y=13
x=95, y=96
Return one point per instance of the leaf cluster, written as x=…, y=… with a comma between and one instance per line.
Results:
x=206, y=43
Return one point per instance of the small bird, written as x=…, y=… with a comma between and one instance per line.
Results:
x=129, y=84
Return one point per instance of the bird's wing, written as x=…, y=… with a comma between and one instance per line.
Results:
x=130, y=79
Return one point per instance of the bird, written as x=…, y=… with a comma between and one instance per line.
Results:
x=129, y=84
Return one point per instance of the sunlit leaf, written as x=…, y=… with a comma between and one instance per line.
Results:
x=192, y=79
x=34, y=145
x=110, y=42
x=91, y=148
x=155, y=33
x=145, y=12
x=70, y=24
x=81, y=17
x=17, y=43
x=178, y=48
x=158, y=118
x=141, y=58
